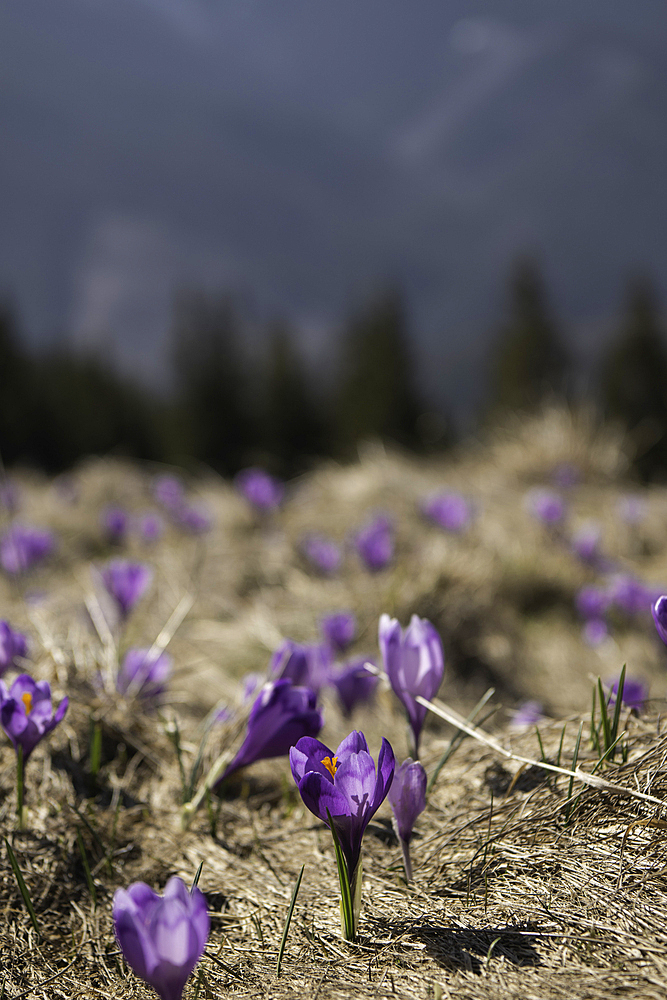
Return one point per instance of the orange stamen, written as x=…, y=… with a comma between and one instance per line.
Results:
x=331, y=764
x=27, y=701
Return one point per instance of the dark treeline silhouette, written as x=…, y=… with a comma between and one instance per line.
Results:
x=231, y=406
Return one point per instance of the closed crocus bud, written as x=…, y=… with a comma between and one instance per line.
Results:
x=126, y=582
x=12, y=645
x=659, y=610
x=26, y=712
x=375, y=543
x=450, y=511
x=339, y=629
x=407, y=798
x=354, y=684
x=161, y=937
x=261, y=490
x=414, y=663
x=144, y=674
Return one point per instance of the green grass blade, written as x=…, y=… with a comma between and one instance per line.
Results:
x=345, y=889
x=618, y=706
x=560, y=746
x=543, y=758
x=22, y=886
x=288, y=920
x=86, y=867
x=604, y=716
x=458, y=738
x=195, y=881
x=575, y=758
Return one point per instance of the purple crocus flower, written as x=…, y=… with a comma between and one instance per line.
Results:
x=161, y=937
x=12, y=645
x=659, y=611
x=195, y=518
x=629, y=595
x=450, y=511
x=595, y=631
x=375, y=543
x=23, y=546
x=527, y=714
x=415, y=665
x=407, y=798
x=339, y=629
x=303, y=665
x=144, y=673
x=585, y=543
x=151, y=528
x=346, y=784
x=26, y=712
x=321, y=552
x=635, y=693
x=546, y=506
x=262, y=491
x=281, y=714
x=115, y=522
x=126, y=582
x=169, y=492
x=354, y=684
x=592, y=602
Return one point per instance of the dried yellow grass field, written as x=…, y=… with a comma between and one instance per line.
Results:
x=521, y=889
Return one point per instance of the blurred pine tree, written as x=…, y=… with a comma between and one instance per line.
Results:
x=377, y=394
x=529, y=362
x=634, y=380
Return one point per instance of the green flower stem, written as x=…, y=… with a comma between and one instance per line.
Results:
x=20, y=790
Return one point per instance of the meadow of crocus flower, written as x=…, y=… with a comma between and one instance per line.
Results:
x=209, y=687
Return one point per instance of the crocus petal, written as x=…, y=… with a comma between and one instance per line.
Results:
x=319, y=795
x=354, y=743
x=659, y=611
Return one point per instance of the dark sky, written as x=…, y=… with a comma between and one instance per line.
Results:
x=304, y=152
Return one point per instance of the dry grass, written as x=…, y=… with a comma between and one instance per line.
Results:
x=518, y=891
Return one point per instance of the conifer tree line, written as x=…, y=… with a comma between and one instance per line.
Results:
x=228, y=409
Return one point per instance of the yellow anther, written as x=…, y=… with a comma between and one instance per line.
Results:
x=331, y=764
x=27, y=701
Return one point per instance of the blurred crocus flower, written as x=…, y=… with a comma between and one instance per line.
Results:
x=526, y=715
x=151, y=528
x=23, y=546
x=592, y=602
x=262, y=491
x=195, y=518
x=635, y=693
x=375, y=543
x=415, y=665
x=115, y=522
x=339, y=629
x=12, y=645
x=126, y=582
x=547, y=506
x=321, y=552
x=169, y=492
x=629, y=595
x=303, y=665
x=407, y=798
x=659, y=611
x=281, y=715
x=161, y=937
x=345, y=786
x=144, y=674
x=354, y=684
x=26, y=712
x=450, y=511
x=595, y=631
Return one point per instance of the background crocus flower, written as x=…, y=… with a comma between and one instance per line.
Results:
x=592, y=602
x=195, y=518
x=321, y=552
x=23, y=546
x=345, y=784
x=339, y=629
x=659, y=612
x=144, y=674
x=527, y=714
x=169, y=492
x=26, y=712
x=303, y=665
x=115, y=522
x=629, y=595
x=126, y=582
x=161, y=937
x=281, y=715
x=407, y=798
x=547, y=506
x=150, y=527
x=354, y=684
x=595, y=631
x=414, y=663
x=262, y=491
x=585, y=543
x=12, y=645
x=450, y=511
x=635, y=693
x=375, y=543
